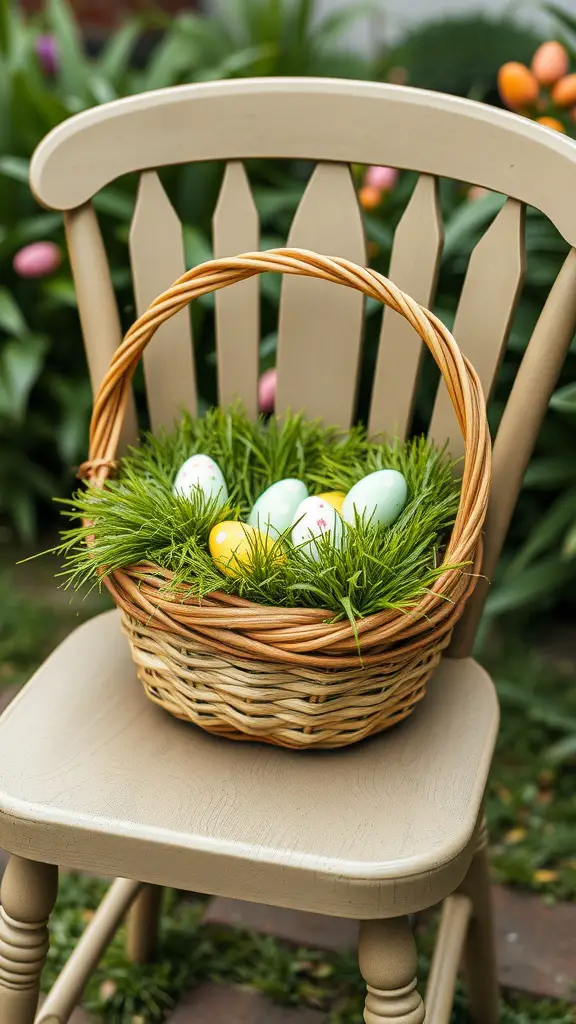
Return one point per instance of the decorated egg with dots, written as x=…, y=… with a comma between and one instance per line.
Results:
x=234, y=545
x=315, y=518
x=334, y=498
x=378, y=498
x=201, y=473
x=275, y=508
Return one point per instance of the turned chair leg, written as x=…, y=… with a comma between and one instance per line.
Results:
x=480, y=947
x=28, y=894
x=388, y=964
x=143, y=921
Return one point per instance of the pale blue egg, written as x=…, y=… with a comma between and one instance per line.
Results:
x=274, y=509
x=201, y=473
x=378, y=498
x=315, y=518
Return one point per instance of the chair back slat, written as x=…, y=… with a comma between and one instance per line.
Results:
x=485, y=311
x=157, y=259
x=97, y=306
x=320, y=324
x=414, y=268
x=518, y=430
x=236, y=229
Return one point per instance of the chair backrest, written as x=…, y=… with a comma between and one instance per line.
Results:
x=334, y=123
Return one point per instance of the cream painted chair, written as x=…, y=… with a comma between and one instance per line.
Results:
x=94, y=776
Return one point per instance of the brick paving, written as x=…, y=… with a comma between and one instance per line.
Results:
x=226, y=1004
x=294, y=926
x=536, y=944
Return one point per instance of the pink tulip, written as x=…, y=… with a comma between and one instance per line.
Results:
x=47, y=52
x=267, y=390
x=37, y=260
x=382, y=178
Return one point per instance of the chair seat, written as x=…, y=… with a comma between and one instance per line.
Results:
x=96, y=777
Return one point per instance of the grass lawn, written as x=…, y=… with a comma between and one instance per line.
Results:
x=531, y=810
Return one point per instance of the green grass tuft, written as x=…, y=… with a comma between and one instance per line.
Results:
x=136, y=517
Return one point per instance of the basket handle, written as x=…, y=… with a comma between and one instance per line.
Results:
x=461, y=380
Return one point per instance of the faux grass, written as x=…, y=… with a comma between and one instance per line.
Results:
x=137, y=518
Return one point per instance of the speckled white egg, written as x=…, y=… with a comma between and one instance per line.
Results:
x=378, y=498
x=275, y=508
x=200, y=472
x=314, y=518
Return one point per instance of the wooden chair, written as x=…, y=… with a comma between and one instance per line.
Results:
x=95, y=777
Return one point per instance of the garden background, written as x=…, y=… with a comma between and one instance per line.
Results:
x=50, y=68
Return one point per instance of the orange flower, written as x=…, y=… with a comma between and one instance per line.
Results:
x=552, y=122
x=564, y=92
x=517, y=85
x=370, y=197
x=550, y=62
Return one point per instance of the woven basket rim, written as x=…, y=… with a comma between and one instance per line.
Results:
x=261, y=630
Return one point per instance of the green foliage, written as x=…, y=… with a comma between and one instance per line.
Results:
x=136, y=517
x=44, y=390
x=462, y=54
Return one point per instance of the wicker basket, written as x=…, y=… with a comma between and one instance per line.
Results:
x=286, y=675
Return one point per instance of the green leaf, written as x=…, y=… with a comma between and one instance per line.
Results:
x=15, y=167
x=197, y=248
x=115, y=203
x=6, y=15
x=174, y=56
x=11, y=317
x=115, y=57
x=73, y=66
x=333, y=26
x=564, y=400
x=550, y=471
x=547, y=532
x=20, y=364
x=562, y=751
x=31, y=229
x=61, y=291
x=569, y=546
x=20, y=508
x=236, y=63
x=467, y=219
x=534, y=583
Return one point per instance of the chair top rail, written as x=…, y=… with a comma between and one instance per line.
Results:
x=310, y=118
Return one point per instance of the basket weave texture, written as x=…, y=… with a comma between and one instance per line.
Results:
x=289, y=676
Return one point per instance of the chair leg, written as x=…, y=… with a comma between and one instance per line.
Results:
x=28, y=894
x=388, y=964
x=143, y=921
x=480, y=947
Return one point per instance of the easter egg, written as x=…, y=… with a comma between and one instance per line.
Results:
x=334, y=498
x=201, y=473
x=378, y=498
x=232, y=544
x=315, y=518
x=274, y=510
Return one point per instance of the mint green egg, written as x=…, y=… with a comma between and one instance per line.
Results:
x=378, y=498
x=274, y=509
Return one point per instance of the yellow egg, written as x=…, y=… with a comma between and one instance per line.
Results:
x=334, y=498
x=232, y=544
